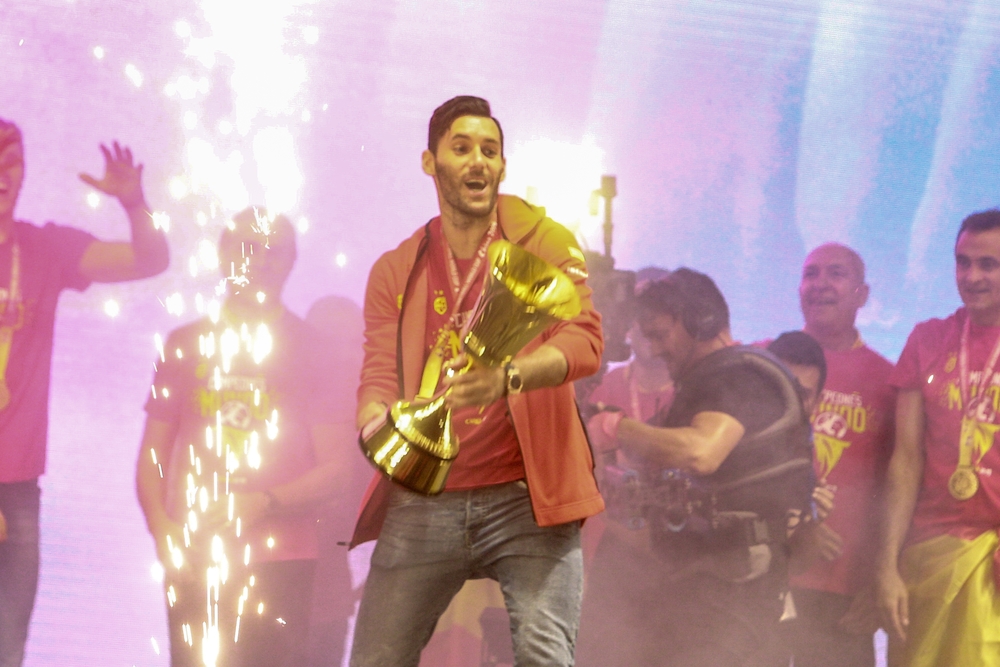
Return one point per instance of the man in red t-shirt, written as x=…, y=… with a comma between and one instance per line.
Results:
x=36, y=265
x=852, y=434
x=243, y=442
x=937, y=565
x=523, y=479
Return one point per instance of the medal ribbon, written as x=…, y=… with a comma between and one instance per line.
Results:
x=10, y=321
x=459, y=290
x=633, y=390
x=971, y=402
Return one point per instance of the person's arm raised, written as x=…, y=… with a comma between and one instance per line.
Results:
x=147, y=254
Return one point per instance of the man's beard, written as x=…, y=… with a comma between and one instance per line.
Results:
x=451, y=192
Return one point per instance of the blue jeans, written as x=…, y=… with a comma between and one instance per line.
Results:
x=275, y=638
x=18, y=568
x=429, y=547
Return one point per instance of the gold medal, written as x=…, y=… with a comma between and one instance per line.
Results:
x=963, y=483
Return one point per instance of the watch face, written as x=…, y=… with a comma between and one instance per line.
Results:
x=514, y=380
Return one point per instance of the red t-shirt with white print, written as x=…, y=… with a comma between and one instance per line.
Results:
x=853, y=438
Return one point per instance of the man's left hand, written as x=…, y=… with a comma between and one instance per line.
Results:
x=122, y=178
x=480, y=385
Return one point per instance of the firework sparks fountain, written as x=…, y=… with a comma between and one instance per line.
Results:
x=214, y=546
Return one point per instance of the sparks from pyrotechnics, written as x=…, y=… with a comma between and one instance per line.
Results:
x=229, y=345
x=267, y=82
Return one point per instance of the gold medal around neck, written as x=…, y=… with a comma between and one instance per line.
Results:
x=963, y=483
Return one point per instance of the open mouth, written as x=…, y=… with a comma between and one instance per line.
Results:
x=476, y=185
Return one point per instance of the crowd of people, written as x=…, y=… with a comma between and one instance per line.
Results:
x=766, y=504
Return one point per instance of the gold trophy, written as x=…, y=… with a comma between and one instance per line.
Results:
x=415, y=445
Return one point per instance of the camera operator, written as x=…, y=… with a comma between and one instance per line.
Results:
x=722, y=470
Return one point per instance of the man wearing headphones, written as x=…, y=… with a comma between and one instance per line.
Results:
x=724, y=467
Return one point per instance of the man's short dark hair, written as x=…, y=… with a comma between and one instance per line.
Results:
x=983, y=221
x=801, y=349
x=690, y=297
x=453, y=109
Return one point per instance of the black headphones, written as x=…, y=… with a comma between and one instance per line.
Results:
x=700, y=314
x=701, y=325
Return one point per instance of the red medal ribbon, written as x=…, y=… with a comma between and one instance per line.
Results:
x=459, y=291
x=963, y=371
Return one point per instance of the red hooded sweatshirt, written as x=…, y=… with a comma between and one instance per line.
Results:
x=559, y=467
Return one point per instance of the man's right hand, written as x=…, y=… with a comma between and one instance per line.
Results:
x=893, y=601
x=372, y=414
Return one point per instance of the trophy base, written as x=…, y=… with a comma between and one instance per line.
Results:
x=404, y=462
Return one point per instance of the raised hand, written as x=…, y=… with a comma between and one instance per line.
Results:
x=122, y=178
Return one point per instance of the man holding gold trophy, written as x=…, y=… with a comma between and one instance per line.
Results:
x=475, y=329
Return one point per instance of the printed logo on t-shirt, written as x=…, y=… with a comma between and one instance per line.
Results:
x=952, y=392
x=981, y=436
x=837, y=416
x=251, y=392
x=235, y=414
x=242, y=405
x=978, y=431
x=440, y=302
